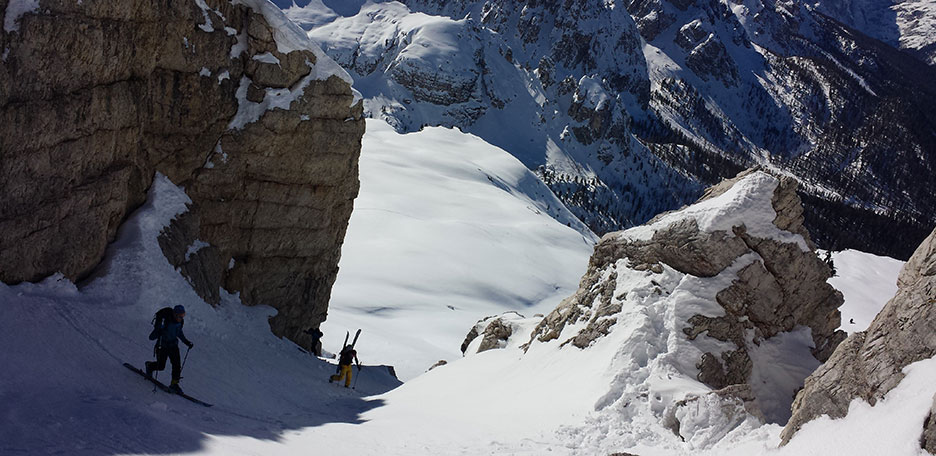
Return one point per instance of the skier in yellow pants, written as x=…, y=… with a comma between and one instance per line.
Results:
x=344, y=365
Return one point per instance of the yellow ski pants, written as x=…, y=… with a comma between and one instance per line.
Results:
x=346, y=373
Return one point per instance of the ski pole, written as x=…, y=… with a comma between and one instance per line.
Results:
x=155, y=374
x=183, y=361
x=356, y=377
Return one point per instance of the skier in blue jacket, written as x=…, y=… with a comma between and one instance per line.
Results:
x=169, y=332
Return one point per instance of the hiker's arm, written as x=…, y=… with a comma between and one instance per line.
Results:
x=184, y=339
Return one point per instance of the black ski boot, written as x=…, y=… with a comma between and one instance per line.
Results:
x=149, y=369
x=175, y=388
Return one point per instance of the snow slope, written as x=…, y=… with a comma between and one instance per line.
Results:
x=447, y=229
x=64, y=390
x=867, y=281
x=443, y=220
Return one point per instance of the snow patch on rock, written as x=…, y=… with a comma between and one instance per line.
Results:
x=15, y=10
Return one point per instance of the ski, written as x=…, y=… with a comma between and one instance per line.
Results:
x=347, y=334
x=163, y=387
x=356, y=335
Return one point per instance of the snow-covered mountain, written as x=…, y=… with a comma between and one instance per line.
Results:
x=626, y=109
x=64, y=390
x=909, y=25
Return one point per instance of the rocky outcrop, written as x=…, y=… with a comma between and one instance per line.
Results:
x=737, y=267
x=225, y=98
x=784, y=288
x=494, y=332
x=870, y=363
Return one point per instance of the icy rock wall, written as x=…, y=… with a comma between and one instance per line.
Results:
x=226, y=98
x=870, y=363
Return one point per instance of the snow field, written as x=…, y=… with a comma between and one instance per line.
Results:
x=446, y=230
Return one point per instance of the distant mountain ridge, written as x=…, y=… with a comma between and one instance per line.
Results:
x=909, y=25
x=626, y=110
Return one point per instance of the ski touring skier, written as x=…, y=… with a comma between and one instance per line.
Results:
x=344, y=365
x=316, y=344
x=167, y=331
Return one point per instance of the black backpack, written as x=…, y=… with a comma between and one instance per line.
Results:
x=160, y=319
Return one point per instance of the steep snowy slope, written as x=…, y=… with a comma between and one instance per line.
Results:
x=868, y=282
x=443, y=220
x=447, y=229
x=64, y=390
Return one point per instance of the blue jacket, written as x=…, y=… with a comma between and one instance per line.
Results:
x=170, y=334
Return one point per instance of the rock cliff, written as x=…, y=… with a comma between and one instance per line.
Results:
x=870, y=363
x=226, y=98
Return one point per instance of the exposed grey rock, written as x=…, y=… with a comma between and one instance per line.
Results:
x=99, y=96
x=470, y=337
x=784, y=286
x=870, y=363
x=710, y=60
x=202, y=268
x=494, y=331
x=495, y=335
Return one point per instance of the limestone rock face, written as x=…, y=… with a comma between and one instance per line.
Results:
x=870, y=363
x=98, y=96
x=762, y=274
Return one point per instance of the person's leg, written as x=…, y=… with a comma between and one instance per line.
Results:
x=173, y=353
x=337, y=376
x=161, y=355
x=347, y=373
